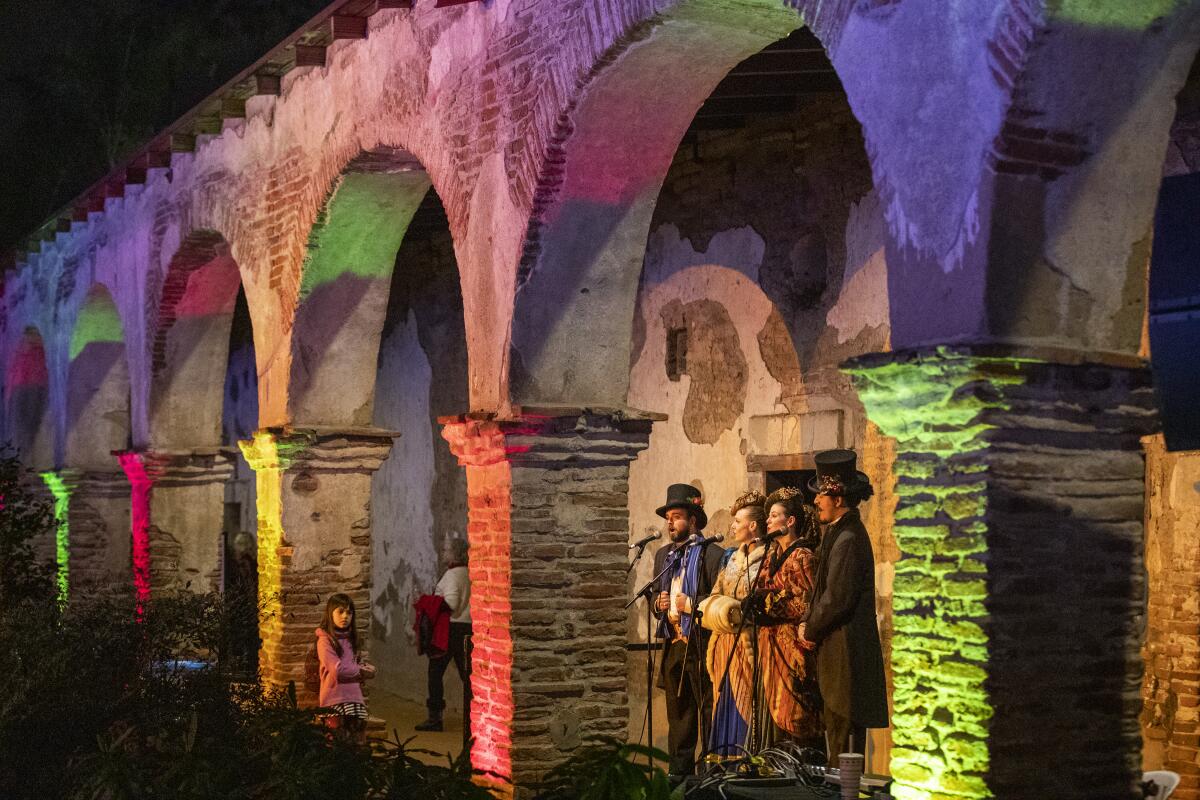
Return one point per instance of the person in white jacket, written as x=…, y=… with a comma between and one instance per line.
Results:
x=455, y=588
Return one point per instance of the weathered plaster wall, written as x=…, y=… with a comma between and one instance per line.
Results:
x=766, y=247
x=419, y=495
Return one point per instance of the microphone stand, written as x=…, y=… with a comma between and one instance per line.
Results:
x=756, y=677
x=647, y=591
x=641, y=548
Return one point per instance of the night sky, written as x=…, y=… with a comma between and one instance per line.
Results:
x=83, y=84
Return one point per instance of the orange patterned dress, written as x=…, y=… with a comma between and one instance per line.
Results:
x=788, y=669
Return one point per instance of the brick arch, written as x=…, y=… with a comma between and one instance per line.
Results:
x=98, y=388
x=27, y=401
x=598, y=186
x=344, y=286
x=189, y=343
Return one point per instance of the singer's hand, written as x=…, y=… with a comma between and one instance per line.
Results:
x=804, y=642
x=681, y=604
x=663, y=602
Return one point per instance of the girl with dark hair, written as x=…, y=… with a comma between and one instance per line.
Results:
x=790, y=706
x=341, y=669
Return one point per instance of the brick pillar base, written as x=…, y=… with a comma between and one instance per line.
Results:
x=549, y=527
x=177, y=509
x=98, y=538
x=314, y=536
x=1019, y=594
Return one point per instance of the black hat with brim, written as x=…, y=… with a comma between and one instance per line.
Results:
x=685, y=496
x=839, y=469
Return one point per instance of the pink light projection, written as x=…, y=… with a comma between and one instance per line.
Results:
x=28, y=366
x=211, y=290
x=139, y=514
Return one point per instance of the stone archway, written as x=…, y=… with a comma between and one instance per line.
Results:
x=317, y=475
x=419, y=495
x=91, y=483
x=178, y=483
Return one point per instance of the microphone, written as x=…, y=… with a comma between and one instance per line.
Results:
x=696, y=541
x=645, y=540
x=768, y=537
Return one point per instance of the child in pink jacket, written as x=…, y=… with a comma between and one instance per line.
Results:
x=341, y=672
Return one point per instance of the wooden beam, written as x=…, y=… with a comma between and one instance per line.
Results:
x=159, y=157
x=717, y=123
x=233, y=107
x=744, y=106
x=210, y=126
x=776, y=84
x=445, y=3
x=784, y=61
x=267, y=83
x=135, y=174
x=344, y=26
x=183, y=142
x=381, y=5
x=64, y=225
x=310, y=55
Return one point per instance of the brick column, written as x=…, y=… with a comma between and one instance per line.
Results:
x=314, y=536
x=549, y=527
x=1171, y=687
x=92, y=512
x=1019, y=596
x=177, y=503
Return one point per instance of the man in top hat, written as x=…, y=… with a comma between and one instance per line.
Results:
x=689, y=579
x=841, y=617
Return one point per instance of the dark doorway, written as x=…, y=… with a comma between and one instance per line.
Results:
x=799, y=478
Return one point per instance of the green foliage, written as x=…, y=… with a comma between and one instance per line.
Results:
x=606, y=769
x=103, y=700
x=24, y=518
x=409, y=777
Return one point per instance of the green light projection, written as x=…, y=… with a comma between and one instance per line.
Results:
x=98, y=321
x=1130, y=15
x=934, y=404
x=62, y=539
x=361, y=226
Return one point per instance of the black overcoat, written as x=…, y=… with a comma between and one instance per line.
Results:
x=841, y=621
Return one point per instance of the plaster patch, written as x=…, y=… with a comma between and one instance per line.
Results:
x=779, y=356
x=863, y=302
x=716, y=364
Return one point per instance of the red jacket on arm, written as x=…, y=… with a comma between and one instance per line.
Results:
x=432, y=625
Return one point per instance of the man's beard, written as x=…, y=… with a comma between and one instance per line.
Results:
x=680, y=536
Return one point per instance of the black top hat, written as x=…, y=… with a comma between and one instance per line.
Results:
x=687, y=497
x=837, y=475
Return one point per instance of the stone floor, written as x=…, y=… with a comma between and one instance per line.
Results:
x=401, y=715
